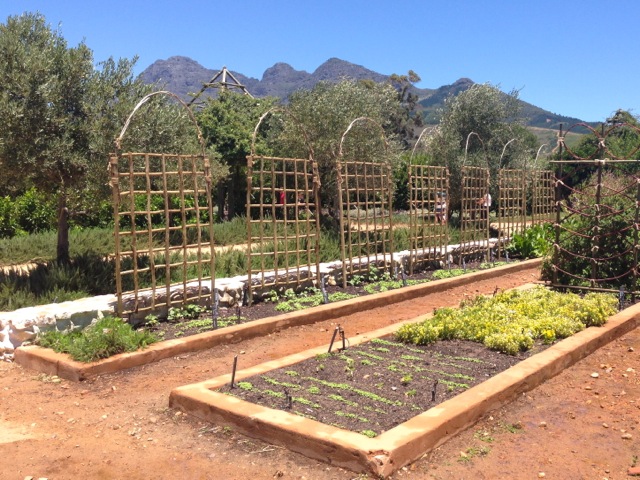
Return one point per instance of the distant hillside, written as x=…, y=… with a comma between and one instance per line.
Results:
x=535, y=116
x=185, y=77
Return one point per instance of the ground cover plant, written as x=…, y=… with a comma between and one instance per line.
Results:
x=513, y=321
x=106, y=337
x=374, y=386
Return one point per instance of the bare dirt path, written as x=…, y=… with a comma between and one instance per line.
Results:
x=119, y=427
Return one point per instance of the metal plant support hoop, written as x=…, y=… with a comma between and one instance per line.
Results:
x=157, y=268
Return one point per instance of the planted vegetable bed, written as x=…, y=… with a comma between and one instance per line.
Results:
x=377, y=385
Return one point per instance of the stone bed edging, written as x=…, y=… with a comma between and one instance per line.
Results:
x=51, y=363
x=407, y=442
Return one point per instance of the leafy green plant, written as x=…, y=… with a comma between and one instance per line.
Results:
x=107, y=337
x=151, y=320
x=307, y=299
x=188, y=312
x=535, y=241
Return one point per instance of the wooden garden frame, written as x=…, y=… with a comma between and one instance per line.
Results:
x=474, y=218
x=543, y=203
x=146, y=258
x=292, y=228
x=512, y=205
x=365, y=204
x=428, y=214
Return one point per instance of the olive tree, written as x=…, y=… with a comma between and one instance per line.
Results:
x=227, y=122
x=60, y=114
x=319, y=118
x=480, y=127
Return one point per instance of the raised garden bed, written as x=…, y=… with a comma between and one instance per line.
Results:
x=180, y=323
x=405, y=442
x=51, y=363
x=372, y=387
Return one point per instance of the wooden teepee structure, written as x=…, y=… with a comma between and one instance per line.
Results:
x=222, y=80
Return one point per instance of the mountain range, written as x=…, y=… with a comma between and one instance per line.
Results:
x=185, y=77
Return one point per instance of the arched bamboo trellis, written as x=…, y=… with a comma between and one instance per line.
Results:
x=365, y=204
x=283, y=224
x=476, y=202
x=157, y=268
x=428, y=212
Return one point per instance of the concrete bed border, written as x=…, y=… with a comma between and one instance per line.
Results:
x=407, y=442
x=51, y=363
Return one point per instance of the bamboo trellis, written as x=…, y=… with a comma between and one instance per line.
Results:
x=474, y=212
x=157, y=268
x=512, y=205
x=283, y=222
x=281, y=216
x=543, y=203
x=365, y=204
x=428, y=214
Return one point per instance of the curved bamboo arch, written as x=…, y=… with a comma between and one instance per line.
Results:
x=353, y=122
x=504, y=149
x=466, y=149
x=271, y=111
x=563, y=146
x=424, y=130
x=538, y=153
x=144, y=100
x=621, y=125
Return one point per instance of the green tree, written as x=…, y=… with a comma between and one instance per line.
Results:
x=319, y=118
x=43, y=123
x=480, y=127
x=227, y=123
x=407, y=121
x=59, y=117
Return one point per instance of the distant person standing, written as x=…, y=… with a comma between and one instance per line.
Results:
x=485, y=205
x=282, y=201
x=441, y=208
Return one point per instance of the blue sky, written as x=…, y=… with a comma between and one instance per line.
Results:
x=574, y=57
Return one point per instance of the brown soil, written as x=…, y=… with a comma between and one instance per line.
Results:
x=377, y=385
x=119, y=426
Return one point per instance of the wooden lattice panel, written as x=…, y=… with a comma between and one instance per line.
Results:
x=365, y=217
x=428, y=214
x=161, y=266
x=282, y=221
x=512, y=205
x=543, y=204
x=474, y=214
